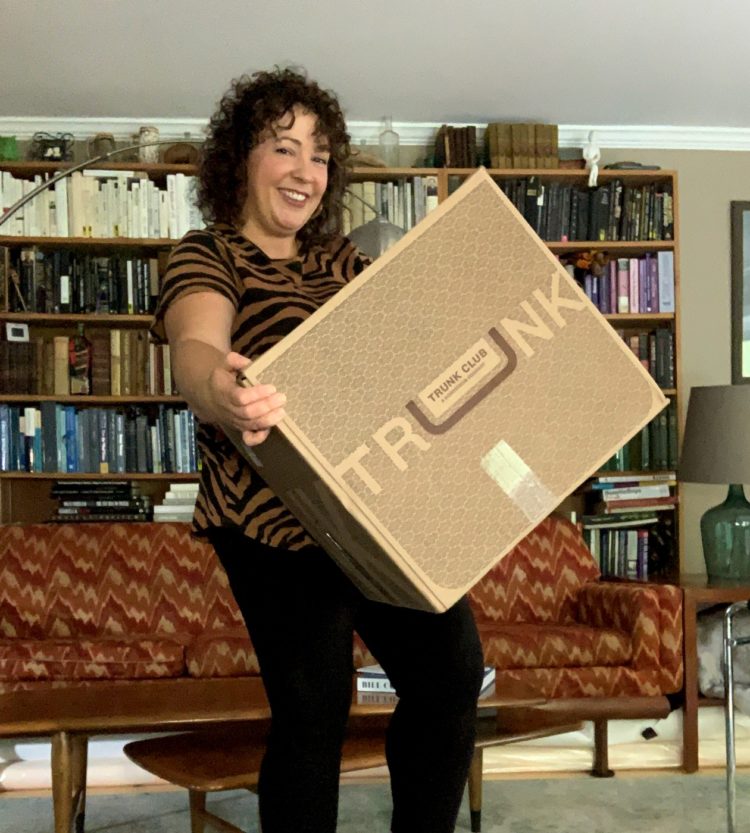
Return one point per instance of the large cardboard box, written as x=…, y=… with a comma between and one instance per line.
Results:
x=446, y=401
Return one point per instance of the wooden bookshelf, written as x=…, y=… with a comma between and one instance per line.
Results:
x=21, y=493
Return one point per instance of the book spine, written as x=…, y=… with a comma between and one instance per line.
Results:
x=624, y=492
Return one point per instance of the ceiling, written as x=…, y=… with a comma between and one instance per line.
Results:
x=574, y=62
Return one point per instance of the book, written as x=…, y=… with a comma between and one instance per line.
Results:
x=652, y=503
x=642, y=477
x=372, y=678
x=666, y=281
x=630, y=482
x=61, y=367
x=656, y=490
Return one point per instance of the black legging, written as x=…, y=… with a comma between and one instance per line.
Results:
x=301, y=611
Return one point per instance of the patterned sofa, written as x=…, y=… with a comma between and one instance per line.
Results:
x=128, y=605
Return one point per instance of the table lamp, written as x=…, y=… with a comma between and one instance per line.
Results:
x=716, y=449
x=376, y=235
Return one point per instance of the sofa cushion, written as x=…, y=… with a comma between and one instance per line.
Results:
x=90, y=659
x=227, y=653
x=554, y=646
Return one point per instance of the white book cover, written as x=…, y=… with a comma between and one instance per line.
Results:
x=156, y=449
x=629, y=492
x=666, y=281
x=373, y=678
x=61, y=207
x=183, y=487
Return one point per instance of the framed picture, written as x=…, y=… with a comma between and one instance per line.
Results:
x=740, y=293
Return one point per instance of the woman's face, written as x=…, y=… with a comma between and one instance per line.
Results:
x=287, y=175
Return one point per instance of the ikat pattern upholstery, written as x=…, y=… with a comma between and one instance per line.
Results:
x=87, y=602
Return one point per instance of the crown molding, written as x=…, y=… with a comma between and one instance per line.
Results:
x=410, y=133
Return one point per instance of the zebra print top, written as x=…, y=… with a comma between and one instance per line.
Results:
x=271, y=298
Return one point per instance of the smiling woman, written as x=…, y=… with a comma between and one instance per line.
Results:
x=271, y=181
x=287, y=175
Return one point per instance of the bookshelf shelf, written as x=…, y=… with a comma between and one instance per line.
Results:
x=82, y=475
x=120, y=243
x=639, y=317
x=83, y=399
x=94, y=319
x=628, y=248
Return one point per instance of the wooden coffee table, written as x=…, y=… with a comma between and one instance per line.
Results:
x=230, y=757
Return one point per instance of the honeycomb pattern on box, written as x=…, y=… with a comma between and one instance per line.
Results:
x=369, y=358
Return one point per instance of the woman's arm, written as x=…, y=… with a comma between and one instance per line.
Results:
x=198, y=328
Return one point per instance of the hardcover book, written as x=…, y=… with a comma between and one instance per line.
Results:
x=445, y=401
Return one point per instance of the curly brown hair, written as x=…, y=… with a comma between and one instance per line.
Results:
x=246, y=110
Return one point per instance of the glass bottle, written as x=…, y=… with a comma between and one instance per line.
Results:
x=388, y=143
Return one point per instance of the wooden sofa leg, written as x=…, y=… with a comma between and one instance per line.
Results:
x=475, y=790
x=601, y=751
x=69, y=757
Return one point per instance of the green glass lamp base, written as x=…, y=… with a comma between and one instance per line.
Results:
x=725, y=530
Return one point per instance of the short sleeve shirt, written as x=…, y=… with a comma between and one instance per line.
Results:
x=271, y=298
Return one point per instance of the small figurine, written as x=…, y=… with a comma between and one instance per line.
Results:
x=592, y=155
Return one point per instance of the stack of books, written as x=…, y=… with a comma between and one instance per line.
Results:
x=621, y=530
x=178, y=503
x=105, y=500
x=620, y=493
x=512, y=145
x=373, y=685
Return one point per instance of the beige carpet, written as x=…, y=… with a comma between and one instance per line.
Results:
x=654, y=803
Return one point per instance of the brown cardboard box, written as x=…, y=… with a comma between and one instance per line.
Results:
x=446, y=401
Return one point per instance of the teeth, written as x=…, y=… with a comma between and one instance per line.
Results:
x=295, y=195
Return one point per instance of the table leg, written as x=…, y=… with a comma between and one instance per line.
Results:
x=475, y=790
x=69, y=755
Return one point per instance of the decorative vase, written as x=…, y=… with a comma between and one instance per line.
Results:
x=725, y=531
x=148, y=153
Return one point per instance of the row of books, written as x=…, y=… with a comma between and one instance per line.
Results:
x=621, y=553
x=87, y=501
x=560, y=211
x=521, y=145
x=102, y=204
x=116, y=362
x=633, y=543
x=403, y=201
x=82, y=501
x=652, y=449
x=456, y=147
x=632, y=284
x=62, y=281
x=63, y=438
x=655, y=351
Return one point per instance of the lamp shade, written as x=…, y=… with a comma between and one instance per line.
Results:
x=375, y=236
x=716, y=444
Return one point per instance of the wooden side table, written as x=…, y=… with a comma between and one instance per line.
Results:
x=698, y=590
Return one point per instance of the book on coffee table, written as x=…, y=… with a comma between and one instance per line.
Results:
x=373, y=678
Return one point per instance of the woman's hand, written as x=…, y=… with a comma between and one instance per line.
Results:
x=251, y=410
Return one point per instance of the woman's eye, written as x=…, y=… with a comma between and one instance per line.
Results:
x=320, y=160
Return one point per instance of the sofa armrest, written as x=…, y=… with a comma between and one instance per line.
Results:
x=650, y=613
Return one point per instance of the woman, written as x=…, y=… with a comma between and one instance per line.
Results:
x=271, y=181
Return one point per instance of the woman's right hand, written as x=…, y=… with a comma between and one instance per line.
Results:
x=251, y=410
